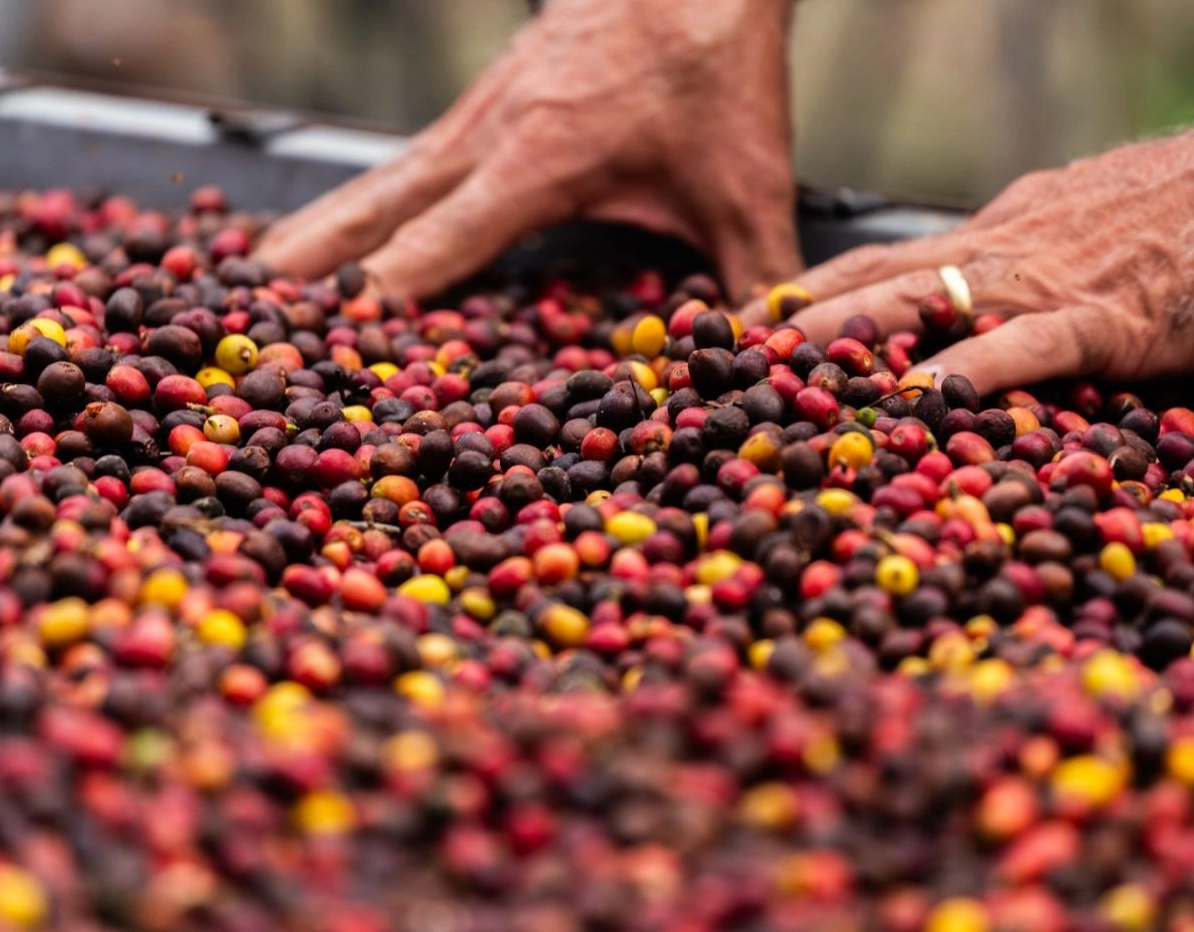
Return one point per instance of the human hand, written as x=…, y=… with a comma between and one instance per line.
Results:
x=671, y=114
x=1092, y=265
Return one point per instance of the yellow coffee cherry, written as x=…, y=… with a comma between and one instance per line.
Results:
x=422, y=688
x=383, y=370
x=823, y=633
x=912, y=381
x=64, y=622
x=897, y=574
x=981, y=626
x=1154, y=532
x=769, y=806
x=629, y=528
x=1129, y=908
x=837, y=501
x=951, y=651
x=719, y=565
x=763, y=450
x=786, y=299
x=622, y=338
x=324, y=812
x=65, y=254
x=913, y=666
x=25, y=334
x=357, y=413
x=222, y=628
x=236, y=354
x=1087, y=779
x=478, y=603
x=1117, y=561
x=23, y=901
x=649, y=337
x=1179, y=761
x=221, y=428
x=50, y=329
x=456, y=577
x=1109, y=673
x=165, y=587
x=1025, y=420
x=20, y=338
x=852, y=449
x=282, y=711
x=427, y=588
x=759, y=653
x=565, y=626
x=959, y=914
x=643, y=374
x=990, y=678
x=213, y=375
x=822, y=754
x=436, y=650
x=410, y=751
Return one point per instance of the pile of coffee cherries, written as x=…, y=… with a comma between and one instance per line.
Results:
x=564, y=608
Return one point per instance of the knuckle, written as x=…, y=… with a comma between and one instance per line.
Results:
x=1179, y=314
x=1133, y=337
x=421, y=244
x=1045, y=335
x=363, y=222
x=1029, y=184
x=916, y=286
x=547, y=153
x=1098, y=336
x=861, y=261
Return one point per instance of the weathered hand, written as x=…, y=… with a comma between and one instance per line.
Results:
x=672, y=114
x=1091, y=264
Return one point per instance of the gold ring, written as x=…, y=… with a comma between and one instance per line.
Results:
x=957, y=289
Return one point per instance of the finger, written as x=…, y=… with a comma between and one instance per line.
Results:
x=755, y=313
x=356, y=217
x=360, y=215
x=868, y=265
x=893, y=305
x=1073, y=342
x=762, y=252
x=646, y=205
x=499, y=202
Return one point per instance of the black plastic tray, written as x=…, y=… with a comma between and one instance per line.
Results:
x=157, y=151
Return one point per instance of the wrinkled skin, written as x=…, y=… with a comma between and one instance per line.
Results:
x=675, y=118
x=1092, y=265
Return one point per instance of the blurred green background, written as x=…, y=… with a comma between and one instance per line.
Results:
x=944, y=99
